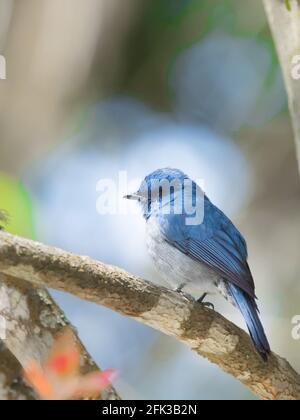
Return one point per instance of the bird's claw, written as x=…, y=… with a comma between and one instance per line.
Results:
x=208, y=305
x=183, y=294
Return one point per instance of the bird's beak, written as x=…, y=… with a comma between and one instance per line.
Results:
x=132, y=197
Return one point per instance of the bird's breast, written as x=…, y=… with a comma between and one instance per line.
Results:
x=175, y=266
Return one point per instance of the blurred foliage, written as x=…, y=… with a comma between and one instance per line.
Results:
x=168, y=11
x=288, y=5
x=236, y=18
x=169, y=28
x=15, y=200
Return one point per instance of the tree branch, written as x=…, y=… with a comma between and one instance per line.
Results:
x=32, y=322
x=12, y=385
x=203, y=330
x=285, y=27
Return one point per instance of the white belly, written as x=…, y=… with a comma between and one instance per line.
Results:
x=176, y=267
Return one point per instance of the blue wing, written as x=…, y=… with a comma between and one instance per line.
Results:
x=216, y=242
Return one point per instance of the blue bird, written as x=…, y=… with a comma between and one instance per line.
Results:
x=196, y=247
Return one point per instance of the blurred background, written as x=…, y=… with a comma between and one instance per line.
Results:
x=95, y=87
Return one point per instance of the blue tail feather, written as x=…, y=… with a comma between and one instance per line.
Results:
x=249, y=310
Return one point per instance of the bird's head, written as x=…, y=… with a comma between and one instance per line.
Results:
x=159, y=188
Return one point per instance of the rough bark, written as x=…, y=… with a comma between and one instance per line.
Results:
x=12, y=385
x=285, y=26
x=32, y=322
x=203, y=330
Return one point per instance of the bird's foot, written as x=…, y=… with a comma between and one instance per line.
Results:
x=183, y=294
x=206, y=304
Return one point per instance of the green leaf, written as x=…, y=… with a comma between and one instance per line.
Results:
x=288, y=5
x=16, y=203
